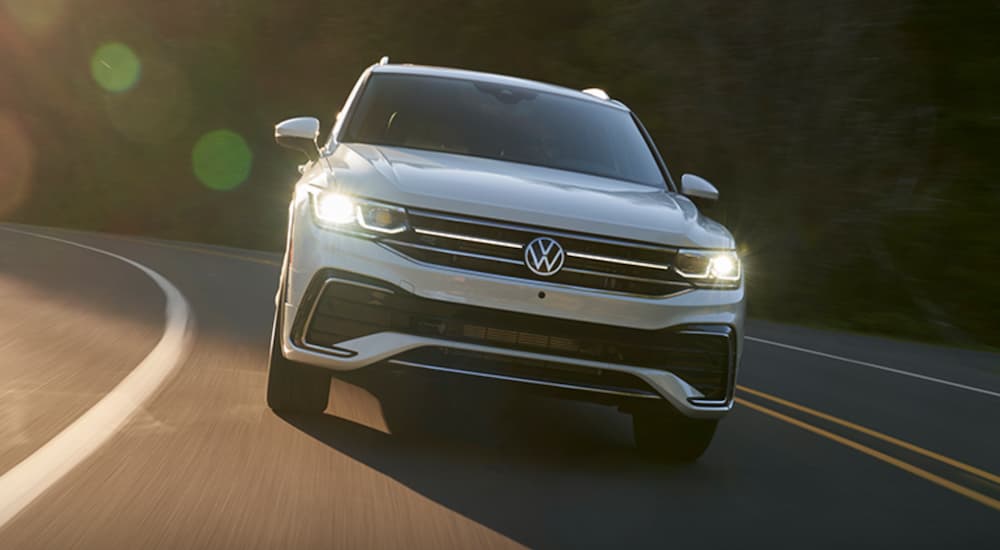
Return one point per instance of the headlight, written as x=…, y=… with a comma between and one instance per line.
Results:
x=382, y=218
x=346, y=213
x=711, y=268
x=335, y=208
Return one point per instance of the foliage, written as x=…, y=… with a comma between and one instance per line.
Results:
x=854, y=142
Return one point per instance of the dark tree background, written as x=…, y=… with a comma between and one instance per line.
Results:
x=855, y=142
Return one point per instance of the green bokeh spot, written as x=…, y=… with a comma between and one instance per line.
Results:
x=115, y=67
x=221, y=159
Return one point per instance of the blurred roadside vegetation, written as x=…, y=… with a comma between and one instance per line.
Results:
x=855, y=143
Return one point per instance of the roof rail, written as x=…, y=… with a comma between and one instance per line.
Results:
x=597, y=92
x=384, y=60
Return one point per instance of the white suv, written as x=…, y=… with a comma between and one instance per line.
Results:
x=496, y=227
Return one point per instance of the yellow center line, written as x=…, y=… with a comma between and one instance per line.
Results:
x=905, y=466
x=878, y=435
x=203, y=251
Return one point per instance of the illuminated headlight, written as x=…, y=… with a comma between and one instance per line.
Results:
x=712, y=268
x=335, y=208
x=343, y=212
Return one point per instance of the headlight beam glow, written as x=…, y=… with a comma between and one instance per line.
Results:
x=708, y=267
x=724, y=267
x=347, y=213
x=335, y=208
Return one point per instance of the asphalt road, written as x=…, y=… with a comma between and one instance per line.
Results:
x=839, y=441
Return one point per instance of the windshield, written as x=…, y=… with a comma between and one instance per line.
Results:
x=504, y=123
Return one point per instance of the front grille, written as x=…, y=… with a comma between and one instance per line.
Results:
x=348, y=306
x=498, y=248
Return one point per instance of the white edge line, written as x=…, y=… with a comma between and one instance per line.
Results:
x=876, y=366
x=23, y=483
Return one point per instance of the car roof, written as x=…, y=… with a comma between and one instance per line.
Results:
x=447, y=72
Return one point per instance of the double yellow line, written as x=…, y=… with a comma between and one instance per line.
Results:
x=905, y=466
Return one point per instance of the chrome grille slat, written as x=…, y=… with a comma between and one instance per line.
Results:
x=393, y=242
x=625, y=277
x=467, y=238
x=539, y=230
x=572, y=254
x=495, y=247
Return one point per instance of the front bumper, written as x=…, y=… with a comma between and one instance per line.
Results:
x=412, y=314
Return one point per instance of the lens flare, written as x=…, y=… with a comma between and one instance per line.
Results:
x=36, y=16
x=115, y=67
x=158, y=109
x=221, y=160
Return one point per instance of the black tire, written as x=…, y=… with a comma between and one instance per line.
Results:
x=291, y=386
x=667, y=436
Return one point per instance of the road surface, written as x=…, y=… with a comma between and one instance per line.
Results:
x=131, y=417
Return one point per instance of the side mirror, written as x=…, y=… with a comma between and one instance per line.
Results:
x=698, y=188
x=300, y=134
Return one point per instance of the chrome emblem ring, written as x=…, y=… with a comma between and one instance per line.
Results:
x=544, y=256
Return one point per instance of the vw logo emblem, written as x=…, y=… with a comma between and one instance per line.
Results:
x=544, y=256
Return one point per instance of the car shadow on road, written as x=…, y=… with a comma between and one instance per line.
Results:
x=539, y=470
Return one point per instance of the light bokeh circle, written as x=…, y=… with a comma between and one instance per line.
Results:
x=115, y=67
x=221, y=159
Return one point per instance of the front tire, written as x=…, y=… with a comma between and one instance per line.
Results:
x=291, y=386
x=667, y=436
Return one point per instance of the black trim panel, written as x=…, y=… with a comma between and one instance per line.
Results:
x=701, y=355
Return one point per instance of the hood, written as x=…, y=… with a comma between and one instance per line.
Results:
x=524, y=194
